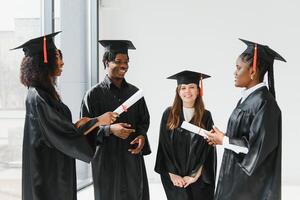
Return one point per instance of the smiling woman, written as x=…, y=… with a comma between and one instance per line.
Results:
x=51, y=141
x=184, y=160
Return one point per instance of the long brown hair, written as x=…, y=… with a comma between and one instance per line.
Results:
x=174, y=116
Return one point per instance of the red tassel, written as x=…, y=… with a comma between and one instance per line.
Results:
x=45, y=50
x=201, y=87
x=255, y=58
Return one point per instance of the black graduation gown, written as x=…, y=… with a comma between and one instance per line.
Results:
x=50, y=144
x=256, y=124
x=182, y=153
x=118, y=174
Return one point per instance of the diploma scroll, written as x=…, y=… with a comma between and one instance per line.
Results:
x=195, y=129
x=129, y=102
x=203, y=133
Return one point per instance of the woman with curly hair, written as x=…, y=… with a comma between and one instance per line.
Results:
x=51, y=141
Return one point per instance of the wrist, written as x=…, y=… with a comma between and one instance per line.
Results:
x=225, y=140
x=141, y=136
x=106, y=130
x=99, y=121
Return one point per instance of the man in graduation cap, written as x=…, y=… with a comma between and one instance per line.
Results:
x=51, y=141
x=118, y=167
x=255, y=124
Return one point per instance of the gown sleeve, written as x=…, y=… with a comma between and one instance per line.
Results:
x=205, y=152
x=143, y=125
x=61, y=133
x=208, y=121
x=88, y=106
x=164, y=163
x=263, y=137
x=209, y=167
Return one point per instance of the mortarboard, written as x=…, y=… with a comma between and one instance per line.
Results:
x=117, y=45
x=259, y=51
x=39, y=45
x=187, y=77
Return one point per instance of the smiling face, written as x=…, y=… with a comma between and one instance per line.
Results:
x=59, y=63
x=188, y=94
x=118, y=67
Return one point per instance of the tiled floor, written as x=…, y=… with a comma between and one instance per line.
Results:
x=157, y=193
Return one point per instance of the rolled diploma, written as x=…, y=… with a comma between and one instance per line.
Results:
x=195, y=129
x=129, y=102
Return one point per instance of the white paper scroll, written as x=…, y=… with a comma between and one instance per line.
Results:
x=129, y=102
x=194, y=129
x=200, y=131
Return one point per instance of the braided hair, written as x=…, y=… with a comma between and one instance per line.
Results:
x=263, y=66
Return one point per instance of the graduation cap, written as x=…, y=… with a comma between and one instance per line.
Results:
x=259, y=51
x=39, y=45
x=187, y=77
x=117, y=45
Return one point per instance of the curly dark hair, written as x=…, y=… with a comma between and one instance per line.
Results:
x=35, y=73
x=109, y=56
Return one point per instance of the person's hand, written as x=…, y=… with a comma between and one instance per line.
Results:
x=193, y=178
x=121, y=130
x=189, y=180
x=215, y=137
x=82, y=121
x=177, y=180
x=107, y=118
x=140, y=141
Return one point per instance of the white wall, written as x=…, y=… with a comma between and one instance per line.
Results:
x=173, y=35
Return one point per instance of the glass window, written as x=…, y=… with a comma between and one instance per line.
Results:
x=19, y=21
x=83, y=170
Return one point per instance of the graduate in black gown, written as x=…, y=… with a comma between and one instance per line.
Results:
x=185, y=161
x=51, y=141
x=255, y=123
x=118, y=167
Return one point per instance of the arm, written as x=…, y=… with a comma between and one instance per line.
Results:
x=61, y=133
x=88, y=109
x=217, y=137
x=192, y=179
x=238, y=145
x=263, y=137
x=86, y=124
x=164, y=160
x=91, y=107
